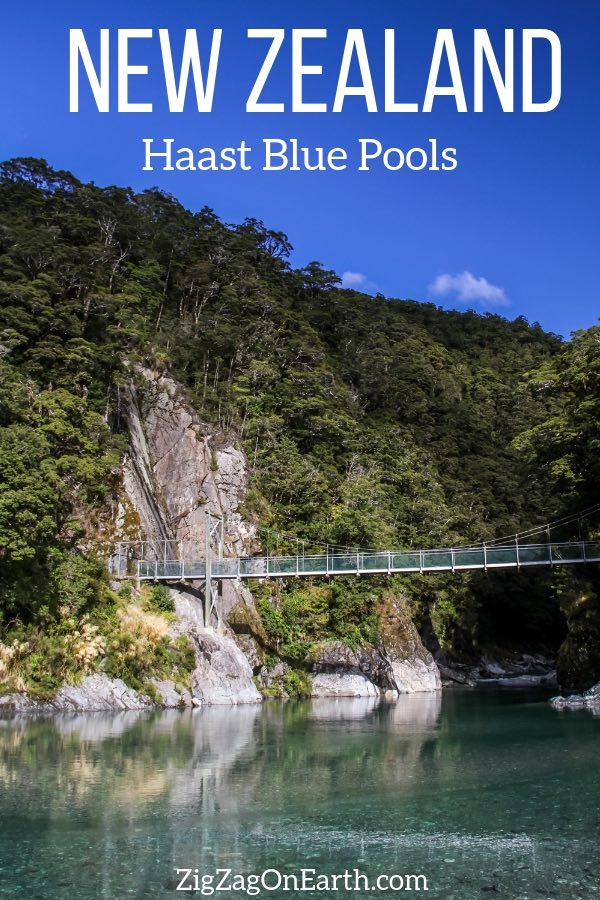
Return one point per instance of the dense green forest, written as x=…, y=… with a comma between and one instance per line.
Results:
x=367, y=421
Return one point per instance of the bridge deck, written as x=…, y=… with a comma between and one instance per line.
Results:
x=384, y=562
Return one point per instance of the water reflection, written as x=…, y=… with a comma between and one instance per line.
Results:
x=343, y=709
x=460, y=787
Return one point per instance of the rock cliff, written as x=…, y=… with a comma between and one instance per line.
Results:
x=399, y=664
x=177, y=467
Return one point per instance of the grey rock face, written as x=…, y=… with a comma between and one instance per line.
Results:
x=339, y=671
x=416, y=673
x=397, y=667
x=179, y=466
x=96, y=692
x=223, y=674
x=412, y=667
x=99, y=692
x=340, y=683
x=17, y=703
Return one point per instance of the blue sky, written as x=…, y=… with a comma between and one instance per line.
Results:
x=515, y=229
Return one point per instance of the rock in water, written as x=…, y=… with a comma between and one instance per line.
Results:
x=223, y=674
x=343, y=684
x=587, y=700
x=400, y=664
x=413, y=668
x=95, y=693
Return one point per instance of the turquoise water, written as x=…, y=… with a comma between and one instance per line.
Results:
x=486, y=794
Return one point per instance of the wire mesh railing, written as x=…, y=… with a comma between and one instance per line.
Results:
x=130, y=564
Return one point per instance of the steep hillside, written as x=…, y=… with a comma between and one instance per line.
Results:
x=365, y=421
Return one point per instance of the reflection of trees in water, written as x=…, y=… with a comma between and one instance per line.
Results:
x=196, y=787
x=332, y=747
x=212, y=758
x=112, y=804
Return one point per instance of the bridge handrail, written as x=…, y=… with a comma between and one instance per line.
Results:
x=375, y=562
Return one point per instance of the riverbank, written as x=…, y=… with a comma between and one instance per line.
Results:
x=224, y=677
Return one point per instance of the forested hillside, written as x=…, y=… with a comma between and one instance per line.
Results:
x=369, y=422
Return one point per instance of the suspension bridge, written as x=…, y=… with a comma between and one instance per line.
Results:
x=164, y=561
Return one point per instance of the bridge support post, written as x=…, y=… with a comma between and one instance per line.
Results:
x=207, y=571
x=212, y=599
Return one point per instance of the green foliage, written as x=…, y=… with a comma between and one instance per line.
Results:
x=366, y=421
x=139, y=648
x=455, y=620
x=566, y=445
x=298, y=617
x=159, y=598
x=119, y=635
x=578, y=665
x=297, y=683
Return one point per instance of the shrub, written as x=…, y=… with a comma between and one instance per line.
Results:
x=297, y=683
x=159, y=597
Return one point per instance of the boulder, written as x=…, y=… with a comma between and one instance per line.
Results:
x=342, y=683
x=340, y=671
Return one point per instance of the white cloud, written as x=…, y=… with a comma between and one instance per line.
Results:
x=469, y=288
x=356, y=281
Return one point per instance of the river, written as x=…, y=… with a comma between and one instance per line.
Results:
x=484, y=793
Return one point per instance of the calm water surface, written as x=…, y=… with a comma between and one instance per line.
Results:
x=487, y=794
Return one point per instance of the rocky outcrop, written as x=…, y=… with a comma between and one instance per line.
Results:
x=343, y=684
x=415, y=674
x=340, y=671
x=412, y=667
x=587, y=700
x=399, y=664
x=96, y=692
x=513, y=670
x=179, y=466
x=223, y=674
